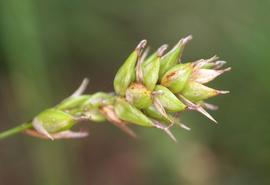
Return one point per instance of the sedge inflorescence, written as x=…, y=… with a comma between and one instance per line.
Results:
x=149, y=91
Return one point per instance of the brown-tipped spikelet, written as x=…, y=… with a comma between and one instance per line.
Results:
x=149, y=91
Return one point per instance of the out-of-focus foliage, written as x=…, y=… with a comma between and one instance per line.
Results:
x=47, y=47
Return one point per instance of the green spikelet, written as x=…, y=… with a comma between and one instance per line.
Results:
x=148, y=93
x=150, y=69
x=172, y=57
x=126, y=74
x=54, y=120
x=131, y=114
x=90, y=107
x=138, y=95
x=196, y=92
x=168, y=100
x=176, y=78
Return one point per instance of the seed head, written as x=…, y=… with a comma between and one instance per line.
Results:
x=150, y=91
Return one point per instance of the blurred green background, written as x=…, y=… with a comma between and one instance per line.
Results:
x=48, y=47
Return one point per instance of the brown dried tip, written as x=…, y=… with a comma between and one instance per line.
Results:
x=68, y=134
x=139, y=72
x=193, y=106
x=165, y=128
x=185, y=40
x=38, y=126
x=200, y=63
x=81, y=88
x=160, y=108
x=184, y=126
x=108, y=112
x=209, y=106
x=145, y=53
x=141, y=46
x=219, y=64
x=161, y=50
x=158, y=105
x=203, y=76
x=226, y=69
x=212, y=59
x=182, y=42
x=222, y=92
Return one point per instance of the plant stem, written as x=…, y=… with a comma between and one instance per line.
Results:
x=15, y=130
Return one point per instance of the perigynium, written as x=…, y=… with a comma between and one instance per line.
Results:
x=149, y=91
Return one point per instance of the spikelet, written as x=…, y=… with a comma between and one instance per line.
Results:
x=149, y=92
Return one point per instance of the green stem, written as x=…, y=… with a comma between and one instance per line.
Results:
x=15, y=130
